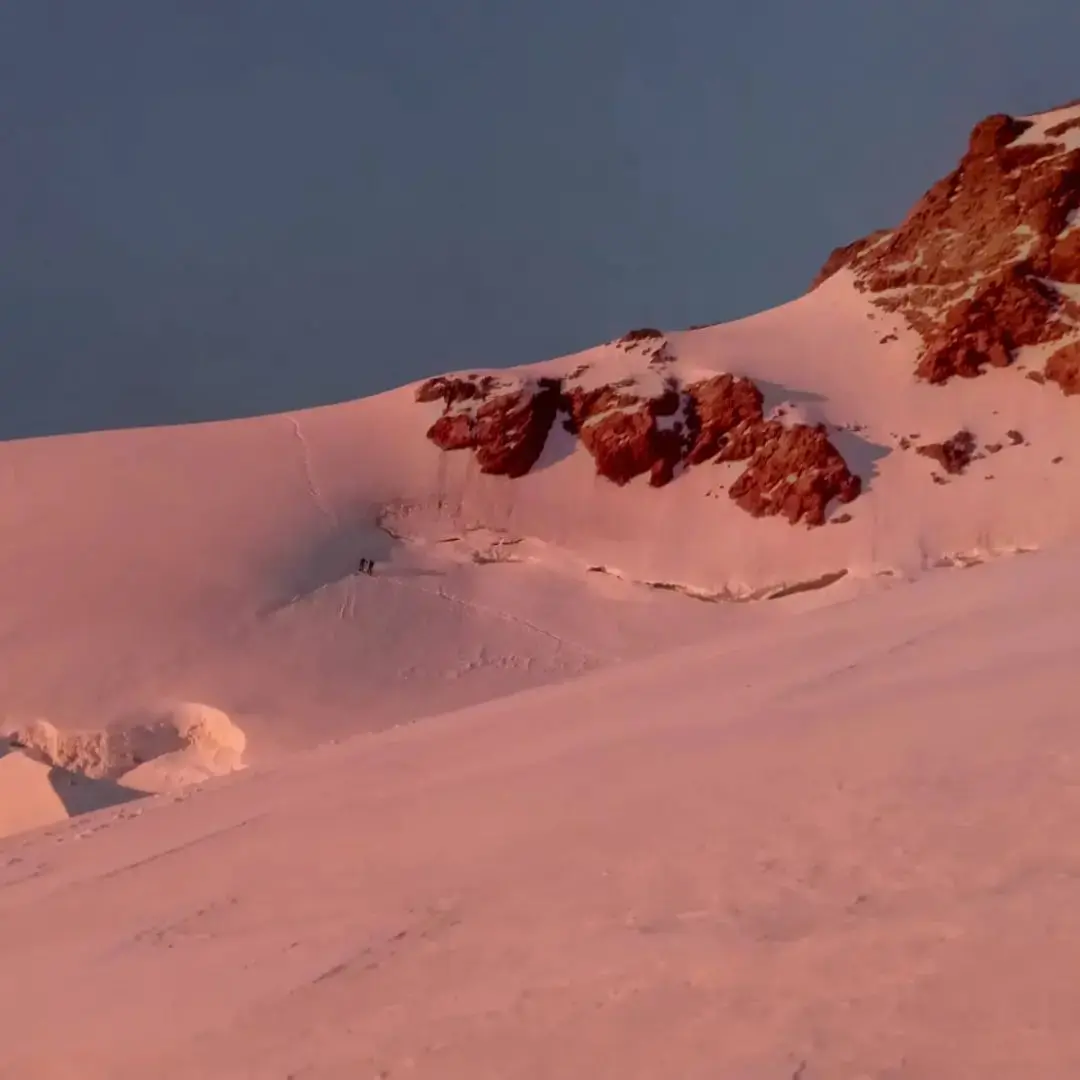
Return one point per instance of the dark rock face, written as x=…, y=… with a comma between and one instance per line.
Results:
x=632, y=427
x=642, y=334
x=720, y=405
x=976, y=266
x=628, y=442
x=628, y=430
x=846, y=255
x=954, y=455
x=1009, y=311
x=994, y=133
x=505, y=422
x=1063, y=368
x=792, y=470
x=453, y=389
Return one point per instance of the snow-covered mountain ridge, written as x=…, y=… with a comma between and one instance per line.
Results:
x=535, y=523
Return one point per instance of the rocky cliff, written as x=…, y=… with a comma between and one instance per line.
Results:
x=985, y=268
x=654, y=423
x=988, y=261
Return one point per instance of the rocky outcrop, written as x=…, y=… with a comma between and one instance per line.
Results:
x=954, y=455
x=505, y=421
x=1010, y=309
x=846, y=255
x=651, y=423
x=627, y=429
x=1063, y=367
x=1056, y=131
x=452, y=389
x=978, y=266
x=792, y=470
x=647, y=334
x=718, y=406
x=646, y=341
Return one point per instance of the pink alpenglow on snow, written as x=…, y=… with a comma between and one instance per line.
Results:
x=988, y=261
x=659, y=736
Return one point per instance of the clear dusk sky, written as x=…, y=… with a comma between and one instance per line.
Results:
x=212, y=208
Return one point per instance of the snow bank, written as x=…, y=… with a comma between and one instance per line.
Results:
x=196, y=741
x=34, y=793
x=49, y=774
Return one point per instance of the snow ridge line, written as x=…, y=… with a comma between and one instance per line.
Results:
x=314, y=491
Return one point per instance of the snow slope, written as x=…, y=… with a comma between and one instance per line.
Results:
x=838, y=845
x=682, y=792
x=214, y=563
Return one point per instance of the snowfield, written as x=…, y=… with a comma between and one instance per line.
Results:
x=843, y=845
x=216, y=563
x=585, y=781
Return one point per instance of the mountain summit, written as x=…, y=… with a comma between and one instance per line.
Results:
x=987, y=264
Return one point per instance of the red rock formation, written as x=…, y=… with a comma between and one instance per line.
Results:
x=627, y=443
x=454, y=388
x=975, y=266
x=632, y=338
x=1064, y=368
x=506, y=422
x=847, y=254
x=1057, y=130
x=795, y=471
x=719, y=405
x=954, y=455
x=994, y=133
x=454, y=431
x=628, y=431
x=632, y=427
x=1063, y=262
x=647, y=341
x=1009, y=310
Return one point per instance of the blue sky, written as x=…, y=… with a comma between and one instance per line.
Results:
x=215, y=208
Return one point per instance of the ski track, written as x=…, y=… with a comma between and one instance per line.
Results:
x=195, y=841
x=314, y=491
x=347, y=607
